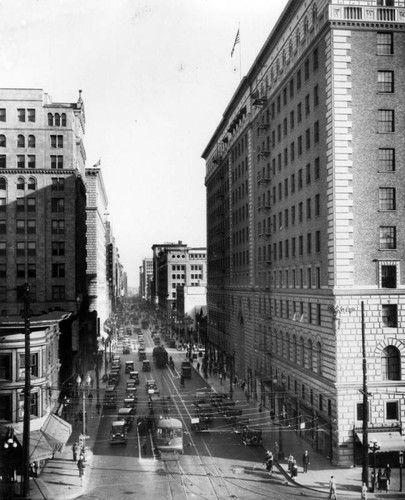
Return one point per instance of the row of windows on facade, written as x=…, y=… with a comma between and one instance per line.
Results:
x=29, y=226
x=385, y=83
x=29, y=161
x=29, y=248
x=58, y=293
x=56, y=141
x=385, y=79
x=29, y=204
x=29, y=270
x=23, y=115
x=58, y=184
x=182, y=277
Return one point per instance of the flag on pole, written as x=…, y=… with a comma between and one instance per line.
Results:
x=237, y=40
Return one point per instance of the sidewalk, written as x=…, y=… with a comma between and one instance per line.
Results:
x=60, y=477
x=320, y=470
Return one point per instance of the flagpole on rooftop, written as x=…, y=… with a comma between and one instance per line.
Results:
x=240, y=55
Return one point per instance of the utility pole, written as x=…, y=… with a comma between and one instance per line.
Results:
x=25, y=291
x=365, y=400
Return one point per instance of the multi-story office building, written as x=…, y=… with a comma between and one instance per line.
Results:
x=145, y=279
x=42, y=245
x=303, y=178
x=97, y=284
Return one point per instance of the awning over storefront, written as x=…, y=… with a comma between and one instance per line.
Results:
x=56, y=431
x=40, y=449
x=387, y=441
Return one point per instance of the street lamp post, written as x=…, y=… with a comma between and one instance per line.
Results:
x=401, y=463
x=374, y=447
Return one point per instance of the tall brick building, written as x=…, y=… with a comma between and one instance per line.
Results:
x=43, y=229
x=305, y=221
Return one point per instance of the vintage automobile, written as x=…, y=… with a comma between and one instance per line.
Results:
x=186, y=369
x=130, y=403
x=117, y=359
x=131, y=384
x=119, y=432
x=172, y=343
x=129, y=366
x=151, y=387
x=146, y=365
x=251, y=437
x=134, y=376
x=130, y=393
x=110, y=397
x=141, y=354
x=126, y=349
x=128, y=415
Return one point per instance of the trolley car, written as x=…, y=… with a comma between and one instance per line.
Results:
x=168, y=431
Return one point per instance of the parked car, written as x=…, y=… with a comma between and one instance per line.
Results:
x=110, y=397
x=128, y=415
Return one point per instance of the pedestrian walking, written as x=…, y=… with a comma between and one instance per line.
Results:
x=332, y=488
x=364, y=491
x=379, y=476
x=305, y=461
x=387, y=473
x=198, y=367
x=276, y=450
x=80, y=466
x=75, y=449
x=290, y=462
x=268, y=460
x=220, y=378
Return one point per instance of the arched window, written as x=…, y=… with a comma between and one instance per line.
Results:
x=63, y=119
x=32, y=183
x=319, y=358
x=20, y=141
x=391, y=364
x=3, y=184
x=21, y=183
x=50, y=119
x=305, y=27
x=31, y=141
x=288, y=346
x=314, y=14
x=57, y=119
x=295, y=356
x=310, y=354
x=3, y=141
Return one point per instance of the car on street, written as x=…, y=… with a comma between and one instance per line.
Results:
x=146, y=365
x=119, y=432
x=129, y=366
x=134, y=375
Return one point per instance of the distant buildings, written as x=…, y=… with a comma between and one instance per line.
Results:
x=179, y=283
x=304, y=186
x=145, y=279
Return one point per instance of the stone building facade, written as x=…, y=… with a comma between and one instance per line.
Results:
x=303, y=178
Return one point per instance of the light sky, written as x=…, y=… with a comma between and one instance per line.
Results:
x=156, y=77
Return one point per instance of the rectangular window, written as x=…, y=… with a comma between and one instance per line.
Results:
x=20, y=249
x=58, y=248
x=20, y=161
x=5, y=407
x=3, y=271
x=33, y=365
x=31, y=161
x=386, y=199
x=388, y=238
x=386, y=160
x=20, y=226
x=3, y=248
x=316, y=132
x=58, y=205
x=300, y=212
x=316, y=95
x=388, y=276
x=300, y=145
x=299, y=112
x=308, y=138
x=3, y=114
x=317, y=241
x=391, y=410
x=58, y=292
x=390, y=315
x=300, y=245
x=309, y=206
x=292, y=151
x=20, y=271
x=31, y=249
x=58, y=184
x=31, y=115
x=385, y=82
x=307, y=105
x=300, y=179
x=58, y=270
x=386, y=121
x=31, y=204
x=31, y=270
x=3, y=161
x=292, y=120
x=20, y=204
x=21, y=115
x=385, y=44
x=5, y=367
x=31, y=226
x=309, y=248
x=308, y=173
